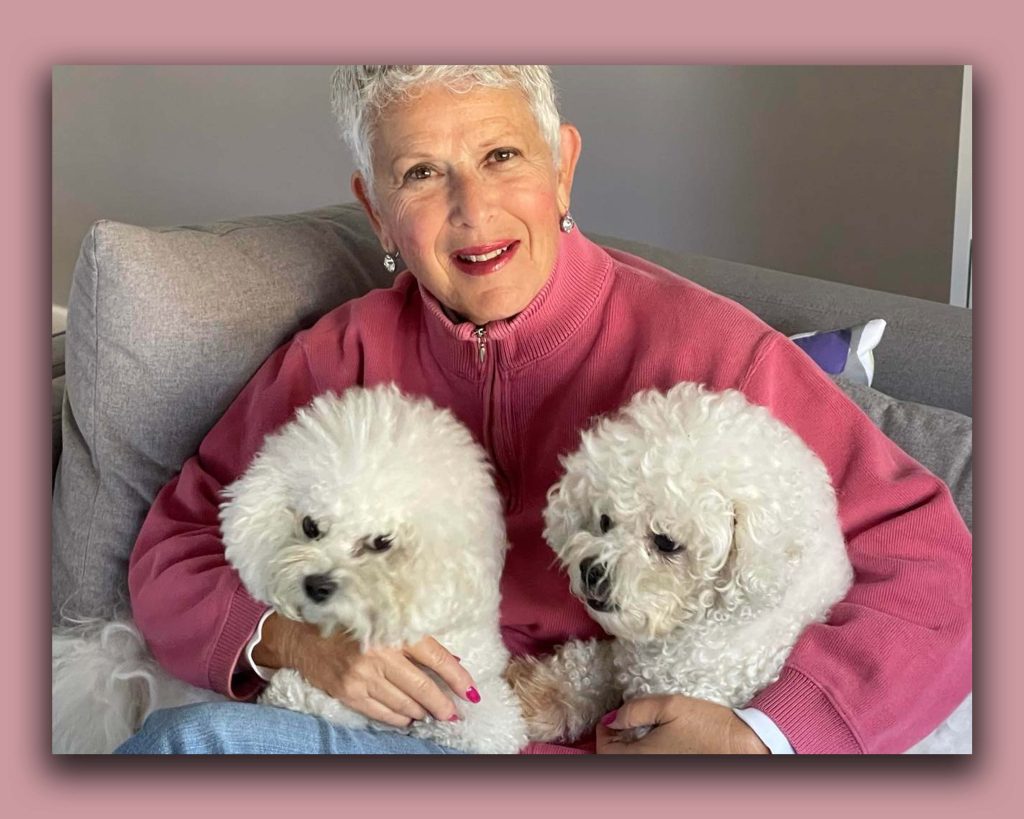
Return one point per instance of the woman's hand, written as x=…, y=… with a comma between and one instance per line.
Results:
x=678, y=725
x=388, y=685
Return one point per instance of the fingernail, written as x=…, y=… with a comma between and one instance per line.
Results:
x=457, y=659
x=453, y=718
x=609, y=718
x=472, y=694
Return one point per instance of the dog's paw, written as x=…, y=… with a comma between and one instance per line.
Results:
x=541, y=698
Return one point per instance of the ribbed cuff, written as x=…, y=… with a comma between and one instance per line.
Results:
x=244, y=614
x=806, y=716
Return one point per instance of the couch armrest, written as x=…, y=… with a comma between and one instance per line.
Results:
x=56, y=396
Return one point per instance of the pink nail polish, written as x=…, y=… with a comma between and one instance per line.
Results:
x=472, y=694
x=454, y=718
x=609, y=718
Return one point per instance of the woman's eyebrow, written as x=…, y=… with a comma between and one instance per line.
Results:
x=503, y=138
x=401, y=159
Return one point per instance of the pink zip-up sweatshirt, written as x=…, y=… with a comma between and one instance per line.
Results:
x=895, y=656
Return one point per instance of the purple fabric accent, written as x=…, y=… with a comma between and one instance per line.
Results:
x=828, y=350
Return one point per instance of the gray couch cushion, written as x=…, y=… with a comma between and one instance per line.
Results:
x=164, y=328
x=939, y=439
x=166, y=325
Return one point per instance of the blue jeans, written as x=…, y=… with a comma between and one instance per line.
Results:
x=243, y=728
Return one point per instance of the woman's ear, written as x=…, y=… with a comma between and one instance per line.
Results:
x=570, y=144
x=362, y=193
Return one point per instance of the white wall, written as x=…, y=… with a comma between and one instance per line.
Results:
x=961, y=283
x=843, y=173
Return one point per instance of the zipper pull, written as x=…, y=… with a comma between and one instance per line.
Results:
x=481, y=342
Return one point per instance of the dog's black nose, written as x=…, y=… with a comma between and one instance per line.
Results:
x=592, y=574
x=319, y=587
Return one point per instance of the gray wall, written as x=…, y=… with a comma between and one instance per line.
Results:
x=842, y=173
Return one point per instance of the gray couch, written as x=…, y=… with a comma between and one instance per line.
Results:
x=166, y=324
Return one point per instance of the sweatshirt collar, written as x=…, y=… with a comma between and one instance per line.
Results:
x=575, y=286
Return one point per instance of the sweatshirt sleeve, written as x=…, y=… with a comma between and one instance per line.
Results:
x=187, y=601
x=894, y=658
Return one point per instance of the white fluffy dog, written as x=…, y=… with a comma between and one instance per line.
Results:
x=702, y=534
x=375, y=514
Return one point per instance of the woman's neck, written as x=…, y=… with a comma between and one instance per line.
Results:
x=458, y=318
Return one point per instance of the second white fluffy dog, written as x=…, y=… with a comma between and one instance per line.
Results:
x=702, y=534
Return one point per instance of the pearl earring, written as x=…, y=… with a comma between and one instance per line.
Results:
x=568, y=223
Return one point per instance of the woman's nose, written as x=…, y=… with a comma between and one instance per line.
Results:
x=471, y=201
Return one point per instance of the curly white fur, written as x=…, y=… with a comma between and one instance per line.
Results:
x=703, y=535
x=409, y=541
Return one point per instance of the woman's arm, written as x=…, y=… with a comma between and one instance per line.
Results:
x=894, y=658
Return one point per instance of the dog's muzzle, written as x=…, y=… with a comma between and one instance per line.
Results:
x=319, y=587
x=594, y=579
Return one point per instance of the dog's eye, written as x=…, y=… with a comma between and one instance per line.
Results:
x=309, y=528
x=605, y=523
x=381, y=543
x=663, y=543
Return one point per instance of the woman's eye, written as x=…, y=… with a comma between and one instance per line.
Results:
x=309, y=528
x=419, y=172
x=381, y=543
x=606, y=524
x=663, y=543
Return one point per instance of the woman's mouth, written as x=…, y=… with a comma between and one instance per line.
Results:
x=481, y=260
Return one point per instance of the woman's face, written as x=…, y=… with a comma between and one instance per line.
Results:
x=467, y=192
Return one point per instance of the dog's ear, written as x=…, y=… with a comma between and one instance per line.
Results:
x=567, y=503
x=255, y=522
x=560, y=516
x=761, y=562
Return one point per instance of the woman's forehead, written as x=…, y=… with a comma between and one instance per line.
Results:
x=437, y=115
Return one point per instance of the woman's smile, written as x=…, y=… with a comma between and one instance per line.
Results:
x=482, y=260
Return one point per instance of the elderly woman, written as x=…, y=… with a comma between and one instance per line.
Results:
x=510, y=316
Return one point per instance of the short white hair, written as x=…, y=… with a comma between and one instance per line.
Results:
x=359, y=93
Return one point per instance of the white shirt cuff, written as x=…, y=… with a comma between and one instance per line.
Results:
x=262, y=672
x=767, y=731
